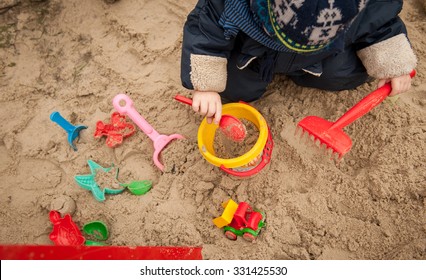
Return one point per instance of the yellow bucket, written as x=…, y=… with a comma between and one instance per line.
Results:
x=252, y=161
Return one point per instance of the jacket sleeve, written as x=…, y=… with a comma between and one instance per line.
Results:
x=381, y=40
x=205, y=51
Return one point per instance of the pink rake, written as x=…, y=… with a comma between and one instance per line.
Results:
x=160, y=141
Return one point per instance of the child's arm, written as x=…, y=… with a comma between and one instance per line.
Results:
x=399, y=84
x=382, y=44
x=205, y=53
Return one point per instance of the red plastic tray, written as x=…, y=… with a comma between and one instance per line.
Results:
x=52, y=252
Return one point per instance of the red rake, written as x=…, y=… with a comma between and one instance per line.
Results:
x=331, y=134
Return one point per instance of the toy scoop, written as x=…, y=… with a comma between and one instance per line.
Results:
x=160, y=141
x=138, y=187
x=98, y=230
x=231, y=126
x=73, y=131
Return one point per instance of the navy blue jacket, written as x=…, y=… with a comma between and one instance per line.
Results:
x=203, y=35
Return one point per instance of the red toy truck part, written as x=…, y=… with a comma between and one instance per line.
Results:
x=245, y=217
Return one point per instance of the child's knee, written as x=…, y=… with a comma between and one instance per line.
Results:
x=239, y=93
x=331, y=82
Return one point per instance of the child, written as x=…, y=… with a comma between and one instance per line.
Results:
x=232, y=48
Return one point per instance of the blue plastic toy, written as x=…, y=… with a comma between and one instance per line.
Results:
x=73, y=131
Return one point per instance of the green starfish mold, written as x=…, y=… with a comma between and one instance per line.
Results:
x=88, y=181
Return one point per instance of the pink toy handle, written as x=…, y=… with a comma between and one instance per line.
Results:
x=365, y=105
x=129, y=110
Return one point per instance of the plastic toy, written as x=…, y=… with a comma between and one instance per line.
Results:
x=116, y=131
x=88, y=181
x=330, y=134
x=48, y=252
x=98, y=230
x=249, y=163
x=245, y=221
x=138, y=187
x=124, y=105
x=73, y=131
x=230, y=126
x=65, y=231
x=230, y=207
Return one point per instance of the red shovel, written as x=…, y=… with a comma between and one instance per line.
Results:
x=331, y=134
x=231, y=126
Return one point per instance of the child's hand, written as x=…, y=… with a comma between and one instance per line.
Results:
x=399, y=84
x=208, y=104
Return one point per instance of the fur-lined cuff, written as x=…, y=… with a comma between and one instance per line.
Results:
x=208, y=73
x=390, y=58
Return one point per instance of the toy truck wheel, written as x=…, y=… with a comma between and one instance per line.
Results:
x=230, y=235
x=249, y=237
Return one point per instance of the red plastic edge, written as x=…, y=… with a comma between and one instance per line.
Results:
x=52, y=252
x=266, y=158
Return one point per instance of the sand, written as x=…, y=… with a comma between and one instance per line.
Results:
x=75, y=56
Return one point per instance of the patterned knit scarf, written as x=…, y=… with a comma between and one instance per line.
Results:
x=302, y=26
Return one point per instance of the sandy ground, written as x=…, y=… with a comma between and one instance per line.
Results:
x=75, y=56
